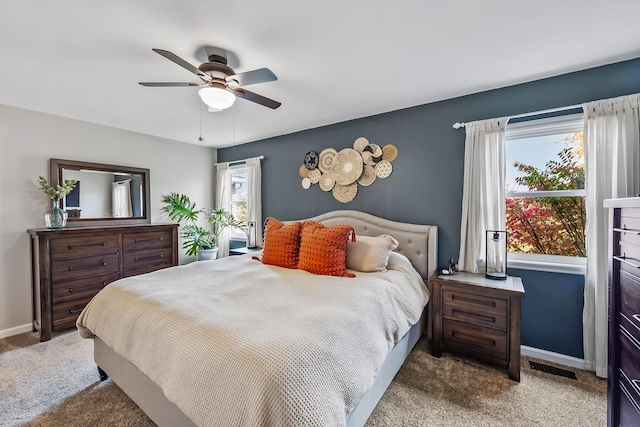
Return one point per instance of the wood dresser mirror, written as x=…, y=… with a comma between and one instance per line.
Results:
x=105, y=194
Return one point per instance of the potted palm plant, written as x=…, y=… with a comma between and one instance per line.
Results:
x=198, y=241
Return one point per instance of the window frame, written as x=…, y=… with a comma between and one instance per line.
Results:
x=236, y=234
x=548, y=126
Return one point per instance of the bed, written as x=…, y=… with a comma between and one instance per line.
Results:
x=263, y=340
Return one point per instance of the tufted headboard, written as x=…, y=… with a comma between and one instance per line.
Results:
x=419, y=243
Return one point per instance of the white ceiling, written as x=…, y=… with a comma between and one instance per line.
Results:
x=335, y=60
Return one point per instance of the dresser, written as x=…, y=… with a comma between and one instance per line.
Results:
x=623, y=376
x=70, y=266
x=479, y=318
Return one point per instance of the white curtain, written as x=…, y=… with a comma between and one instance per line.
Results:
x=612, y=170
x=223, y=200
x=483, y=205
x=254, y=200
x=121, y=199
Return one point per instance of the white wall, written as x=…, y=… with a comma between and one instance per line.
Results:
x=29, y=139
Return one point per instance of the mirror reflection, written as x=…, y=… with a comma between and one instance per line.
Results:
x=101, y=194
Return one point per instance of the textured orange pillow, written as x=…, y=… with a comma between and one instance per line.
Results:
x=323, y=250
x=281, y=244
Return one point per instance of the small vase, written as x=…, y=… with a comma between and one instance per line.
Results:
x=56, y=217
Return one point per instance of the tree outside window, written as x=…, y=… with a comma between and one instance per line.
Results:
x=545, y=204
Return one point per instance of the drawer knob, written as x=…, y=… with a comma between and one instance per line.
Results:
x=104, y=244
x=69, y=247
x=70, y=268
x=70, y=289
x=74, y=311
x=161, y=256
x=135, y=240
x=104, y=263
x=161, y=238
x=135, y=259
x=104, y=284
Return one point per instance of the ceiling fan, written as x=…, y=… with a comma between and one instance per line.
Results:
x=220, y=84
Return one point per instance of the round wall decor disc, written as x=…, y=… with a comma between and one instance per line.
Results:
x=347, y=166
x=314, y=176
x=303, y=171
x=326, y=159
x=360, y=144
x=383, y=169
x=311, y=160
x=345, y=193
x=376, y=150
x=306, y=183
x=368, y=176
x=327, y=181
x=367, y=158
x=389, y=152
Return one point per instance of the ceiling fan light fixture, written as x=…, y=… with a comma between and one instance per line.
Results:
x=217, y=98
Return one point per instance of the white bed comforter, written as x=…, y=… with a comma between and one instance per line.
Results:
x=235, y=342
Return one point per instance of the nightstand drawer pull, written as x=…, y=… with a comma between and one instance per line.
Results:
x=473, y=301
x=74, y=311
x=70, y=290
x=476, y=315
x=473, y=340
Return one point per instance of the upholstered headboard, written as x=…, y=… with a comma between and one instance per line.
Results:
x=419, y=243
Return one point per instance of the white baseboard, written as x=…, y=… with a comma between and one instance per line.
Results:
x=15, y=331
x=550, y=356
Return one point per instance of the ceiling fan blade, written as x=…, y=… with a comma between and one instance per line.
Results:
x=168, y=84
x=181, y=62
x=261, y=75
x=258, y=99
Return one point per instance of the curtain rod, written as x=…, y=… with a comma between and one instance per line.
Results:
x=534, y=113
x=233, y=162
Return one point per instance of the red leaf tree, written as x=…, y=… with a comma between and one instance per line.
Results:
x=550, y=225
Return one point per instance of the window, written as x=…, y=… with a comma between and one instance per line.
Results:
x=545, y=195
x=239, y=201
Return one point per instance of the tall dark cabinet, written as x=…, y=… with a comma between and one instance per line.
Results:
x=623, y=383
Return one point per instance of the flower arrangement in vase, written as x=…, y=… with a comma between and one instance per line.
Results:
x=56, y=217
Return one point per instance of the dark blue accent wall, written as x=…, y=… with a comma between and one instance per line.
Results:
x=552, y=311
x=427, y=179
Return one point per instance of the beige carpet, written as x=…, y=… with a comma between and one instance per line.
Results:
x=55, y=383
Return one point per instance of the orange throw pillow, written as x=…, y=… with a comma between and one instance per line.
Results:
x=281, y=244
x=323, y=250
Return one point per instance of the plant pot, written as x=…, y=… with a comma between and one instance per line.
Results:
x=208, y=254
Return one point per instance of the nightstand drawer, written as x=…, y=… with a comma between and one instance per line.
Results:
x=475, y=309
x=474, y=339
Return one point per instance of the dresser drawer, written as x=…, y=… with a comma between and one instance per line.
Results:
x=80, y=288
x=82, y=246
x=476, y=309
x=630, y=303
x=139, y=262
x=66, y=314
x=146, y=240
x=629, y=401
x=475, y=339
x=77, y=268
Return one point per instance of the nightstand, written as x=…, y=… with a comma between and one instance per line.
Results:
x=242, y=250
x=478, y=317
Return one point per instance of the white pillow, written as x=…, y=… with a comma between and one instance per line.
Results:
x=368, y=254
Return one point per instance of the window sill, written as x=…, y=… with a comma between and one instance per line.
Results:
x=551, y=267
